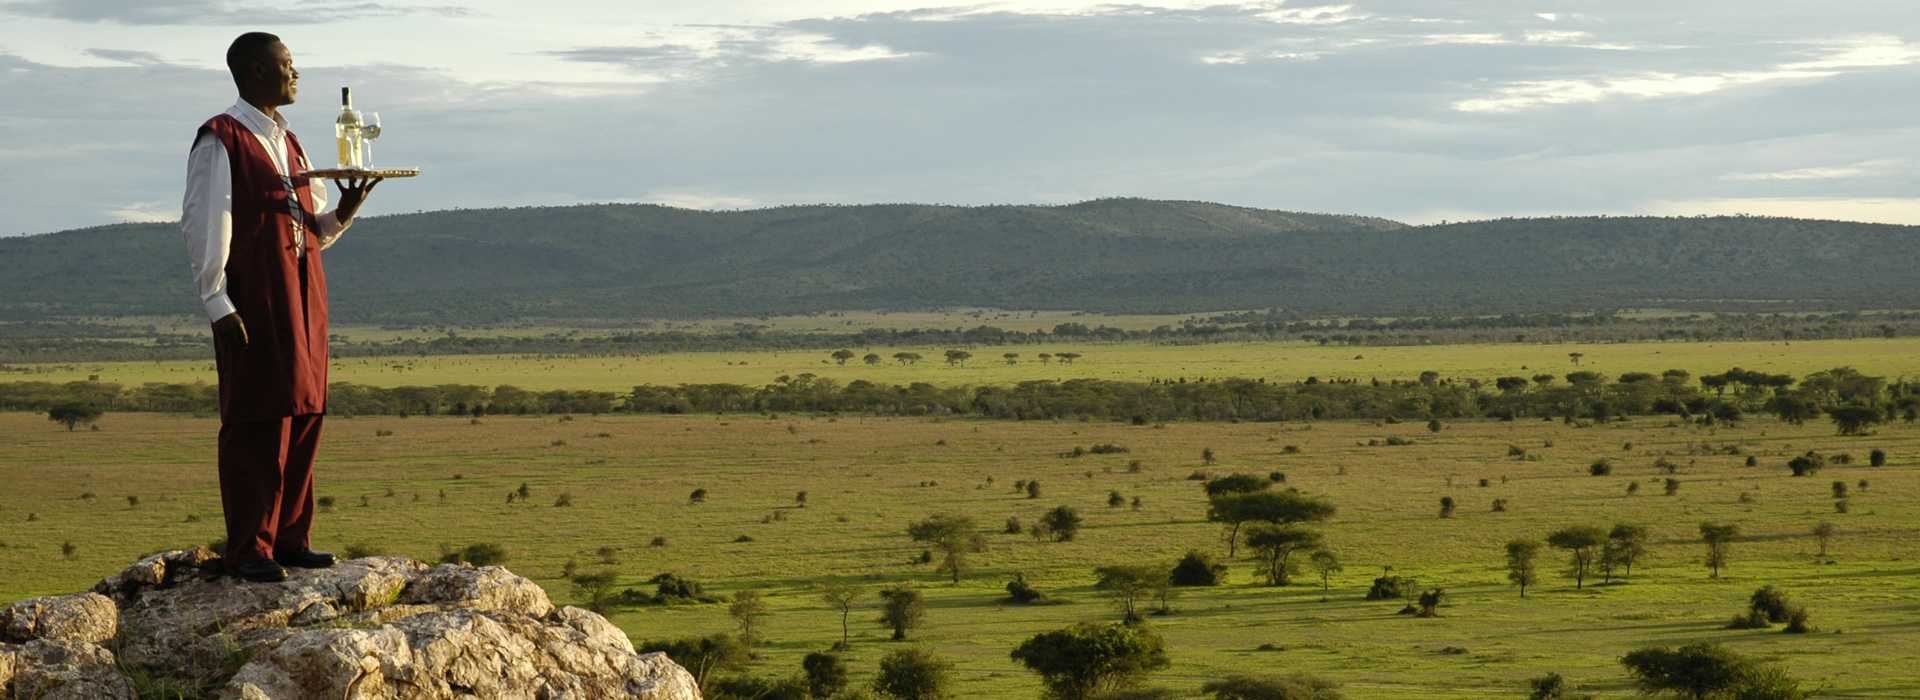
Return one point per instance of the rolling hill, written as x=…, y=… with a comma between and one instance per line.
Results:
x=1115, y=255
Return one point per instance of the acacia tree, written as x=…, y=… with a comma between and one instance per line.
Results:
x=1274, y=507
x=1626, y=544
x=842, y=355
x=1704, y=670
x=1580, y=542
x=903, y=608
x=958, y=357
x=1719, y=539
x=73, y=414
x=1521, y=569
x=1085, y=660
x=749, y=609
x=1127, y=584
x=954, y=535
x=1824, y=533
x=1277, y=544
x=842, y=598
x=1326, y=563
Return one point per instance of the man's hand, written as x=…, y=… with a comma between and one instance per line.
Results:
x=353, y=192
x=230, y=332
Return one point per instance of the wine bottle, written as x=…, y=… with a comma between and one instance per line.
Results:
x=346, y=130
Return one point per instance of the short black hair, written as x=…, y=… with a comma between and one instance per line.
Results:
x=249, y=49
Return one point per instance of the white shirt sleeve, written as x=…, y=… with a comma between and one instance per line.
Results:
x=206, y=217
x=328, y=221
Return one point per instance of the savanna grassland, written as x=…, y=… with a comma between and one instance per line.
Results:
x=629, y=477
x=1134, y=361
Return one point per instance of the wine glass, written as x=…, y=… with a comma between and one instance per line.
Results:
x=369, y=131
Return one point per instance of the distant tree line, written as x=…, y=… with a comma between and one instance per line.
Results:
x=1854, y=401
x=80, y=341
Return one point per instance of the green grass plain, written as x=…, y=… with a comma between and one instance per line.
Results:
x=629, y=477
x=1135, y=361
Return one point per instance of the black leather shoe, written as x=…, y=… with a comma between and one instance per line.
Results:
x=306, y=559
x=258, y=571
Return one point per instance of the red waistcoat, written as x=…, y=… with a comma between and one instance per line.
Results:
x=282, y=297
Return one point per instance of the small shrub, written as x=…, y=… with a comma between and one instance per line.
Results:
x=1277, y=477
x=1552, y=686
x=1666, y=466
x=698, y=496
x=1290, y=450
x=1772, y=603
x=362, y=551
x=1397, y=441
x=1797, y=622
x=1753, y=461
x=1633, y=487
x=1197, y=476
x=1840, y=505
x=477, y=554
x=1877, y=458
x=383, y=433
x=1499, y=505
x=1672, y=486
x=1107, y=449
x=1115, y=500
x=1806, y=465
x=67, y=550
x=1516, y=452
x=1197, y=569
x=1600, y=468
x=1839, y=489
x=749, y=538
x=1135, y=466
x=608, y=555
x=1013, y=526
x=564, y=501
x=1446, y=506
x=1389, y=588
x=1485, y=483
x=1021, y=592
x=1749, y=620
x=658, y=541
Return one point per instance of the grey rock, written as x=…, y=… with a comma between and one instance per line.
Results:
x=62, y=670
x=384, y=628
x=81, y=617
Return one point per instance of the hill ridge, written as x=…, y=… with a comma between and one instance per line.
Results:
x=1120, y=254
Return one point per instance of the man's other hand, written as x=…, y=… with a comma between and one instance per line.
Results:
x=353, y=192
x=230, y=331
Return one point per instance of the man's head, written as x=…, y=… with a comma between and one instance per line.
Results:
x=262, y=69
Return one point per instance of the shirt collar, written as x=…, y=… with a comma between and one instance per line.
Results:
x=257, y=120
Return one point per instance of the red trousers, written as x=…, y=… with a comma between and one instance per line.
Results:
x=266, y=485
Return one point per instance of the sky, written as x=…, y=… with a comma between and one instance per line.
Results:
x=1417, y=110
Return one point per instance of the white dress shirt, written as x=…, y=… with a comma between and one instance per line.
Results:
x=207, y=212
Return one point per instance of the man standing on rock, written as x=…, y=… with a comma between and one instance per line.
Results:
x=254, y=236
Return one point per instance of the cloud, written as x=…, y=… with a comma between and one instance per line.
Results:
x=692, y=50
x=696, y=200
x=215, y=12
x=138, y=58
x=1323, y=14
x=146, y=212
x=1868, y=168
x=1003, y=103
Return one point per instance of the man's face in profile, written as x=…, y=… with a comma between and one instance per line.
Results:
x=279, y=76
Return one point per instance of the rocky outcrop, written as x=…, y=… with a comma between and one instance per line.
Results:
x=383, y=628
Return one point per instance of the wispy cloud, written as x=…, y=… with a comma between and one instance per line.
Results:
x=1834, y=58
x=1867, y=168
x=216, y=12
